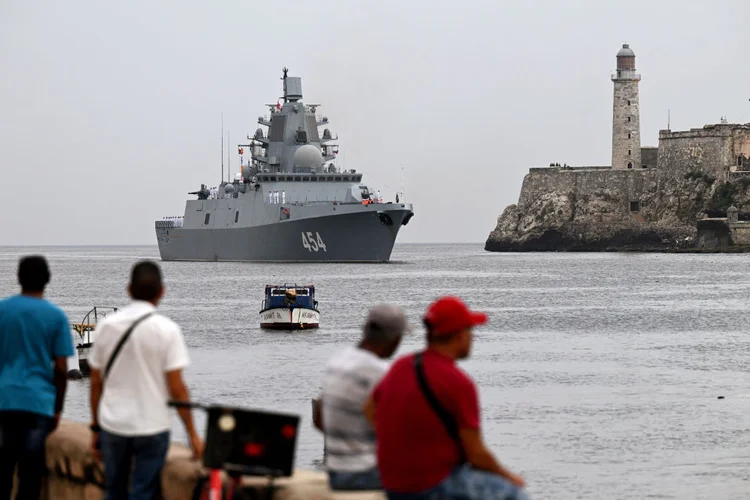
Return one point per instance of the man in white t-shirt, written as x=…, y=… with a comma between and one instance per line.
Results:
x=131, y=382
x=349, y=378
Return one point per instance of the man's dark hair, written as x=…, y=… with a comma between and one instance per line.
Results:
x=33, y=273
x=145, y=281
x=436, y=339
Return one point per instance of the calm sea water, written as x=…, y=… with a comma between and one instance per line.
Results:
x=598, y=373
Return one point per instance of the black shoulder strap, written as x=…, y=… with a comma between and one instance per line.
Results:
x=118, y=348
x=446, y=418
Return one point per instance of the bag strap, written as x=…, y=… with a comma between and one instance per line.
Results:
x=118, y=348
x=445, y=417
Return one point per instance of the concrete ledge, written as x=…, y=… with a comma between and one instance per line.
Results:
x=75, y=474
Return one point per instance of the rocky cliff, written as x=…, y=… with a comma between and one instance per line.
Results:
x=600, y=209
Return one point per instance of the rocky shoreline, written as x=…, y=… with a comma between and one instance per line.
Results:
x=616, y=211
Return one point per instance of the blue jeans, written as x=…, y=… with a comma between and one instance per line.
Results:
x=23, y=436
x=467, y=484
x=144, y=454
x=354, y=481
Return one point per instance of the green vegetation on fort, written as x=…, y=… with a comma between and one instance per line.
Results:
x=723, y=197
x=697, y=174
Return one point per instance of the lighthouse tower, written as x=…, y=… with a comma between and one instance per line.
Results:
x=626, y=116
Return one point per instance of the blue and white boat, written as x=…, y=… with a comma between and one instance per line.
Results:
x=290, y=307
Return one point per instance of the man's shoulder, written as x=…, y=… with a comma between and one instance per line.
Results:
x=457, y=376
x=355, y=359
x=127, y=315
x=40, y=306
x=403, y=361
x=166, y=323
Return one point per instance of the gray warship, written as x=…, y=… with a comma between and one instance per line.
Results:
x=289, y=202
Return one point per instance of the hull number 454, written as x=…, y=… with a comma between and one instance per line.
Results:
x=313, y=242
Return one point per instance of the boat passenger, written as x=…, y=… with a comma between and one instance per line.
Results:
x=426, y=415
x=348, y=380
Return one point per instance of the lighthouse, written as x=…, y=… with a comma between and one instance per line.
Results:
x=626, y=117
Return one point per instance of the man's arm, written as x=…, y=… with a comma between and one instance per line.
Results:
x=317, y=408
x=62, y=348
x=95, y=394
x=369, y=411
x=179, y=392
x=61, y=385
x=482, y=459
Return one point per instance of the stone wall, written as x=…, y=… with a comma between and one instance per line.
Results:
x=712, y=149
x=649, y=157
x=74, y=474
x=718, y=233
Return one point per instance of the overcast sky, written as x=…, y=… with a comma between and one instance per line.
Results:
x=110, y=111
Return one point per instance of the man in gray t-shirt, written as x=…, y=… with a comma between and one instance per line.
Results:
x=349, y=378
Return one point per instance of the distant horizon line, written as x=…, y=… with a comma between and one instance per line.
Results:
x=155, y=245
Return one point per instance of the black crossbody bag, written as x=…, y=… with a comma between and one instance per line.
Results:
x=118, y=348
x=446, y=418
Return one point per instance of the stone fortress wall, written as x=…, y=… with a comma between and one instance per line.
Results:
x=649, y=199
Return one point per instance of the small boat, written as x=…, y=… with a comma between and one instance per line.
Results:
x=83, y=340
x=290, y=307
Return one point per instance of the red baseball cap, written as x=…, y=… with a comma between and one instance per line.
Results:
x=450, y=315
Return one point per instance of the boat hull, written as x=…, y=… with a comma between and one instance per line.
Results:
x=358, y=236
x=289, y=318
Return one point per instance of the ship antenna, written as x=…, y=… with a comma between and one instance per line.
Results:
x=229, y=162
x=222, y=148
x=402, y=183
x=285, y=70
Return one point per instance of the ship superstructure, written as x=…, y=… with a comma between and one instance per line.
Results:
x=290, y=202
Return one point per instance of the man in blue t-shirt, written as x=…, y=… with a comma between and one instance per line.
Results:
x=34, y=337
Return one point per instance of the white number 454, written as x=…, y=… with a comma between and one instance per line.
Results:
x=313, y=242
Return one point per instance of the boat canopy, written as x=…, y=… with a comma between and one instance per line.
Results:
x=290, y=295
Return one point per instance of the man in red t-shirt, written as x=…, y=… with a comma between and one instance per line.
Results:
x=425, y=412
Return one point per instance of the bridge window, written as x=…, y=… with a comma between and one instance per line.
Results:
x=298, y=179
x=337, y=179
x=205, y=221
x=273, y=178
x=236, y=216
x=346, y=178
x=313, y=179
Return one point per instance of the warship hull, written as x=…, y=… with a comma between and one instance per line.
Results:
x=362, y=236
